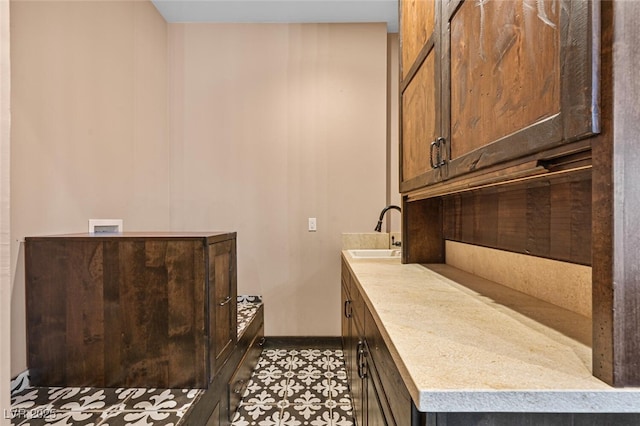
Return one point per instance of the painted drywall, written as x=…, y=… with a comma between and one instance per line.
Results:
x=394, y=222
x=270, y=125
x=252, y=128
x=5, y=249
x=89, y=125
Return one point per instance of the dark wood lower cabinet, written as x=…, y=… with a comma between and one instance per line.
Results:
x=378, y=394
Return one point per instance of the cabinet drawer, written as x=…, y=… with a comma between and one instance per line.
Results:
x=240, y=378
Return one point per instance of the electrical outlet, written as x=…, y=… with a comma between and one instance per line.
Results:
x=312, y=224
x=105, y=226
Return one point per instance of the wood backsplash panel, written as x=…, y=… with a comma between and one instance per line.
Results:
x=547, y=219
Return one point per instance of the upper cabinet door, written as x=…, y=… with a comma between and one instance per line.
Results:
x=417, y=26
x=517, y=78
x=420, y=88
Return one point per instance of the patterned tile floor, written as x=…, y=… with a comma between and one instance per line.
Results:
x=43, y=406
x=32, y=406
x=296, y=387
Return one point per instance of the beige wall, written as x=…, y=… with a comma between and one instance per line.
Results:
x=393, y=131
x=271, y=125
x=89, y=124
x=5, y=253
x=252, y=128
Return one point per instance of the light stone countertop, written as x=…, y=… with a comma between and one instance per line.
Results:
x=482, y=347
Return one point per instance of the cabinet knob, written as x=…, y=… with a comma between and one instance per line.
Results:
x=225, y=301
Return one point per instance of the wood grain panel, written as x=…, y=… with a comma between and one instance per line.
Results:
x=144, y=309
x=513, y=220
x=222, y=302
x=452, y=207
x=419, y=123
x=538, y=220
x=49, y=268
x=616, y=223
x=417, y=23
x=112, y=312
x=422, y=231
x=113, y=315
x=546, y=218
x=505, y=70
x=85, y=349
x=186, y=280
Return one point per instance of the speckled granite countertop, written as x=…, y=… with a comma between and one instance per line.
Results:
x=482, y=347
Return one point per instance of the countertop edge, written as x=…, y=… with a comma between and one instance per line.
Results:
x=608, y=400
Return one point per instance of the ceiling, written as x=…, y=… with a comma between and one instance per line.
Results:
x=280, y=11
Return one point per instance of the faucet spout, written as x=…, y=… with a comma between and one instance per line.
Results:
x=382, y=213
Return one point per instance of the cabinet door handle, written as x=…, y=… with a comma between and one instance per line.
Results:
x=442, y=146
x=358, y=358
x=438, y=160
x=225, y=301
x=434, y=145
x=347, y=308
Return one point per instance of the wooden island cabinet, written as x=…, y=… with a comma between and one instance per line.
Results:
x=131, y=309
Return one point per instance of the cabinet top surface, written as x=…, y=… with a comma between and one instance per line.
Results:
x=142, y=235
x=462, y=343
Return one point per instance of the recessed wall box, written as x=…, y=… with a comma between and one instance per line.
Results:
x=105, y=226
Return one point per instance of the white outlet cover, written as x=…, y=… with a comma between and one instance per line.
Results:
x=105, y=226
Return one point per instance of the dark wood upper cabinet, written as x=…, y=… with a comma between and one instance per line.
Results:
x=418, y=26
x=497, y=81
x=420, y=106
x=538, y=104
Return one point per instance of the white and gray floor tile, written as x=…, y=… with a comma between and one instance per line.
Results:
x=296, y=387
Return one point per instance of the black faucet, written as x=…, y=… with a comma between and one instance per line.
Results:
x=386, y=209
